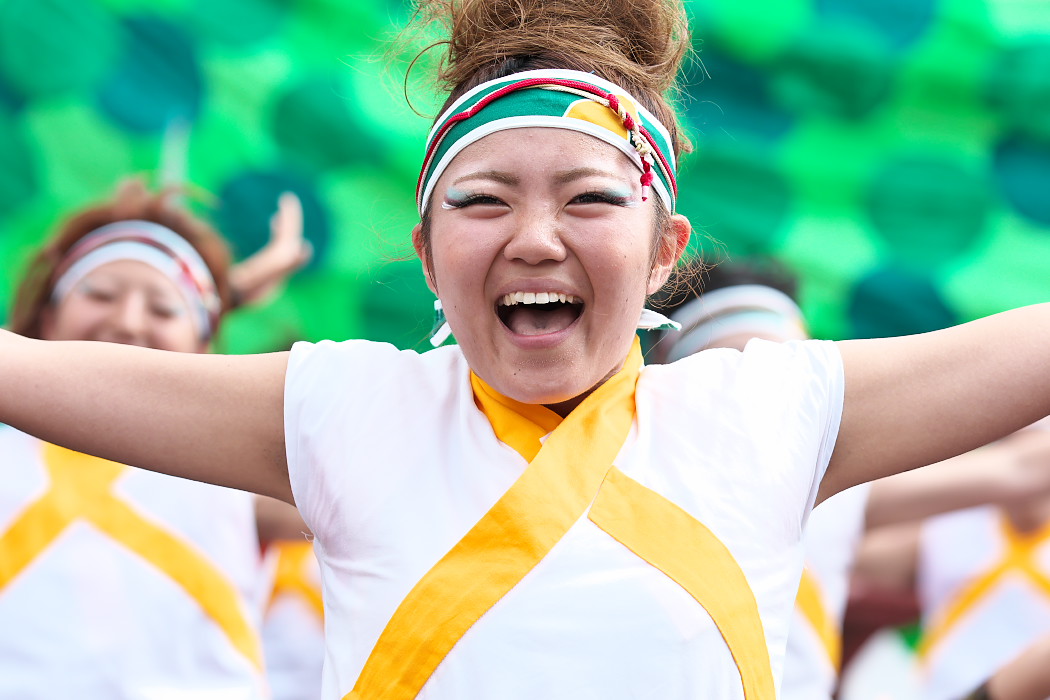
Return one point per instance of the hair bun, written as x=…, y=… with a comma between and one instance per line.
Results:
x=637, y=44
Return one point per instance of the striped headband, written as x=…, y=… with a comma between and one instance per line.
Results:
x=157, y=246
x=742, y=308
x=562, y=99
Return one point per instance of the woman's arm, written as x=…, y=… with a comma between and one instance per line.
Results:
x=921, y=399
x=257, y=278
x=1025, y=678
x=1016, y=468
x=213, y=418
x=276, y=520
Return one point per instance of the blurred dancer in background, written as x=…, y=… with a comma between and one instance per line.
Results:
x=740, y=301
x=293, y=622
x=117, y=582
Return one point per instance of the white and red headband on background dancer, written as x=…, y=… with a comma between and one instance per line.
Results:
x=155, y=245
x=558, y=99
x=743, y=308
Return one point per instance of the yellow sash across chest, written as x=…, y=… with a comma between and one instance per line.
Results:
x=569, y=472
x=82, y=488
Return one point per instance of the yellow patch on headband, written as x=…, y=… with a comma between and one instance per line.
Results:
x=595, y=113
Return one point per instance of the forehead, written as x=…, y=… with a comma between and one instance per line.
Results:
x=540, y=152
x=133, y=273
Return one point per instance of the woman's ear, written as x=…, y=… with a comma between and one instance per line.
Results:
x=422, y=252
x=673, y=243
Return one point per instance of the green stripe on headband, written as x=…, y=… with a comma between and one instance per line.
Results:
x=556, y=99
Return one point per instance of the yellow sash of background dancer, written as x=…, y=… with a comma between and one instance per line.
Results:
x=565, y=473
x=810, y=602
x=82, y=488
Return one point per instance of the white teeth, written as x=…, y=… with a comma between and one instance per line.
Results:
x=515, y=298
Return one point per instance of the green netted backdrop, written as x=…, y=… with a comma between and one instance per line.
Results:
x=894, y=153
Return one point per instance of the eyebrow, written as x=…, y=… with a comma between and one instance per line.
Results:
x=568, y=176
x=506, y=178
x=495, y=175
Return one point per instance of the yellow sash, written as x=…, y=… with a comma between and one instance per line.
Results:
x=1020, y=557
x=292, y=577
x=567, y=472
x=82, y=489
x=810, y=602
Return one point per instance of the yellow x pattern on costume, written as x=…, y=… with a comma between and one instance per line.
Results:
x=1019, y=558
x=294, y=559
x=562, y=480
x=81, y=488
x=810, y=602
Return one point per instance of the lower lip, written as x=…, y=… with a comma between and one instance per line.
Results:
x=543, y=341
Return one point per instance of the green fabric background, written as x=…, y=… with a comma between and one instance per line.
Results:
x=895, y=153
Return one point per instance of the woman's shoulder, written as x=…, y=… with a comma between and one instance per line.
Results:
x=363, y=358
x=758, y=358
x=361, y=375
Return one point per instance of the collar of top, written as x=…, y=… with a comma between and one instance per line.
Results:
x=561, y=99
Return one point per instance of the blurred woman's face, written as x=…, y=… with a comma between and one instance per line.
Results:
x=127, y=302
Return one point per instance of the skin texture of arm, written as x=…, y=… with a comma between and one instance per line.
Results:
x=921, y=399
x=887, y=559
x=211, y=418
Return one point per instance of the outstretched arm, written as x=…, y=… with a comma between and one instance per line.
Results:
x=921, y=399
x=213, y=418
x=1016, y=468
x=1027, y=677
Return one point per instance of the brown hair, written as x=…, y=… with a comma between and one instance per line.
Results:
x=130, y=201
x=637, y=44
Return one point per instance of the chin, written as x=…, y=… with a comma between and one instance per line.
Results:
x=545, y=387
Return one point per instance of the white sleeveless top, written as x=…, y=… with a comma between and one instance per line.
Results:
x=830, y=539
x=117, y=582
x=985, y=594
x=391, y=463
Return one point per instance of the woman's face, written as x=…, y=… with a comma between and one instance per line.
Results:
x=127, y=302
x=523, y=217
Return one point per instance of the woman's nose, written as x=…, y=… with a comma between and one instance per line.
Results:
x=536, y=237
x=130, y=316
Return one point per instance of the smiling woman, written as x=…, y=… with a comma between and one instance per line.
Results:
x=533, y=513
x=534, y=212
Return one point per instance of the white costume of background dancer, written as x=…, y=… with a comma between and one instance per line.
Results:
x=985, y=593
x=117, y=582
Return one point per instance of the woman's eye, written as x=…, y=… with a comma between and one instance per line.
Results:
x=165, y=312
x=470, y=200
x=96, y=294
x=602, y=198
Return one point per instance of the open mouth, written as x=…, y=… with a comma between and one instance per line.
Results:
x=539, y=313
